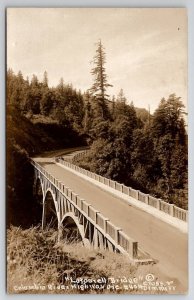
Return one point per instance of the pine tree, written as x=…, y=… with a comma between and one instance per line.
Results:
x=61, y=85
x=100, y=85
x=170, y=143
x=121, y=97
x=87, y=120
x=45, y=79
x=34, y=98
x=113, y=108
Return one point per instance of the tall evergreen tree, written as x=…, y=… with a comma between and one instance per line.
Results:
x=113, y=108
x=121, y=97
x=35, y=94
x=170, y=143
x=100, y=85
x=45, y=79
x=87, y=120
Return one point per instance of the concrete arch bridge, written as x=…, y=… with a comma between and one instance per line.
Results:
x=62, y=208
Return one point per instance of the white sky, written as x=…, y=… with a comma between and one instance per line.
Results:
x=146, y=49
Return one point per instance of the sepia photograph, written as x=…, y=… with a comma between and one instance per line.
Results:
x=97, y=151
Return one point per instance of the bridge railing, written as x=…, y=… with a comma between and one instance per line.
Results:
x=121, y=240
x=125, y=243
x=157, y=203
x=180, y=213
x=77, y=156
x=142, y=197
x=152, y=201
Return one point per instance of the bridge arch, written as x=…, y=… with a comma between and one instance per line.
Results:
x=50, y=190
x=71, y=221
x=50, y=215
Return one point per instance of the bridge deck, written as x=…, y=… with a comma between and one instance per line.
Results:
x=161, y=240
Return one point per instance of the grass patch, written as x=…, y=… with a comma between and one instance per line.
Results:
x=38, y=264
x=35, y=258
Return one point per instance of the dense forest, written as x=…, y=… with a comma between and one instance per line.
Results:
x=127, y=144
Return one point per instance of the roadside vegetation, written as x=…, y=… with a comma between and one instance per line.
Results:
x=38, y=264
x=34, y=256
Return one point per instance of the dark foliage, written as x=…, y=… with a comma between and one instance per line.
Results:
x=39, y=119
x=147, y=152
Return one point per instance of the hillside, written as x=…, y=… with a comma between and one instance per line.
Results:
x=25, y=139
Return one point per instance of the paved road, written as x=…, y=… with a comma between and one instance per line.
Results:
x=162, y=241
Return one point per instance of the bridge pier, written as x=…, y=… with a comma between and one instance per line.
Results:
x=43, y=217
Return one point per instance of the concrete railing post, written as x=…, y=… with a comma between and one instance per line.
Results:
x=70, y=194
x=186, y=216
x=97, y=212
x=63, y=188
x=105, y=224
x=60, y=185
x=74, y=197
x=88, y=209
x=171, y=209
x=134, y=249
x=147, y=198
x=82, y=201
x=159, y=204
x=117, y=235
